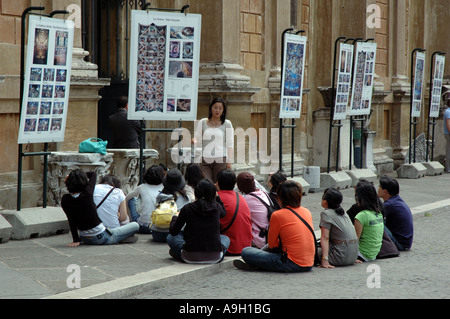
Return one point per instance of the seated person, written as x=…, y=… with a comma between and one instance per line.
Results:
x=338, y=237
x=397, y=215
x=79, y=206
x=258, y=211
x=291, y=246
x=200, y=241
x=110, y=201
x=239, y=228
x=146, y=194
x=369, y=224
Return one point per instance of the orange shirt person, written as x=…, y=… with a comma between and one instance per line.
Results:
x=297, y=248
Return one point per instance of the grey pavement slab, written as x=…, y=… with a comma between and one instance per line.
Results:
x=38, y=268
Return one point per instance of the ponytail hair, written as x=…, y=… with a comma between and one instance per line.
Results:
x=334, y=200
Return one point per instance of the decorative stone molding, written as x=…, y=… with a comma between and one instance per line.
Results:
x=126, y=166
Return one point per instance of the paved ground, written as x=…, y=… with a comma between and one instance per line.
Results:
x=421, y=273
x=42, y=267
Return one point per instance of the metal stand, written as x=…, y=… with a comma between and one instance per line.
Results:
x=412, y=122
x=146, y=7
x=433, y=123
x=282, y=125
x=21, y=154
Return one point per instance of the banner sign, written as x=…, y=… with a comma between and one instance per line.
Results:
x=292, y=76
x=363, y=78
x=47, y=80
x=164, y=70
x=436, y=90
x=343, y=81
x=418, y=85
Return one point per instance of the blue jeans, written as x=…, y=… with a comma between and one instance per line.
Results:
x=270, y=261
x=135, y=216
x=112, y=236
x=394, y=240
x=176, y=244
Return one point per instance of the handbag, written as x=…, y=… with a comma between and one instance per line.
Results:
x=388, y=248
x=316, y=255
x=93, y=145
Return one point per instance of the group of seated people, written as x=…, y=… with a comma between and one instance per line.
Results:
x=270, y=230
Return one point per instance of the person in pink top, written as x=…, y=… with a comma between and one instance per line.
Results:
x=258, y=211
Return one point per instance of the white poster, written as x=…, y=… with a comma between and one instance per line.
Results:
x=164, y=70
x=343, y=81
x=418, y=85
x=363, y=78
x=292, y=76
x=436, y=90
x=47, y=80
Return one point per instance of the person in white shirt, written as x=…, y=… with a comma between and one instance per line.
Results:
x=215, y=137
x=146, y=194
x=110, y=201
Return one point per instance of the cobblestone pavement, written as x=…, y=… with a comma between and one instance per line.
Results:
x=421, y=273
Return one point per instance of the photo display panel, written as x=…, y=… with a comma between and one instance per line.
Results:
x=164, y=70
x=438, y=76
x=418, y=85
x=343, y=81
x=292, y=76
x=47, y=80
x=364, y=71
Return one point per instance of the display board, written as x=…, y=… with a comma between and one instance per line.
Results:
x=418, y=85
x=47, y=80
x=343, y=81
x=364, y=71
x=292, y=76
x=164, y=70
x=436, y=91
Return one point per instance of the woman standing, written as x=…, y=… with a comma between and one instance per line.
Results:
x=216, y=140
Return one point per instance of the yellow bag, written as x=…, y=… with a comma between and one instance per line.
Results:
x=163, y=213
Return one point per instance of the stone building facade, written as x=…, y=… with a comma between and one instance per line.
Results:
x=240, y=61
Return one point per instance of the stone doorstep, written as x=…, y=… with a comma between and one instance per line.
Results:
x=412, y=171
x=36, y=222
x=339, y=180
x=434, y=168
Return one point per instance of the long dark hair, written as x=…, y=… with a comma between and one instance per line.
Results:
x=367, y=198
x=334, y=200
x=193, y=174
x=224, y=114
x=276, y=179
x=205, y=193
